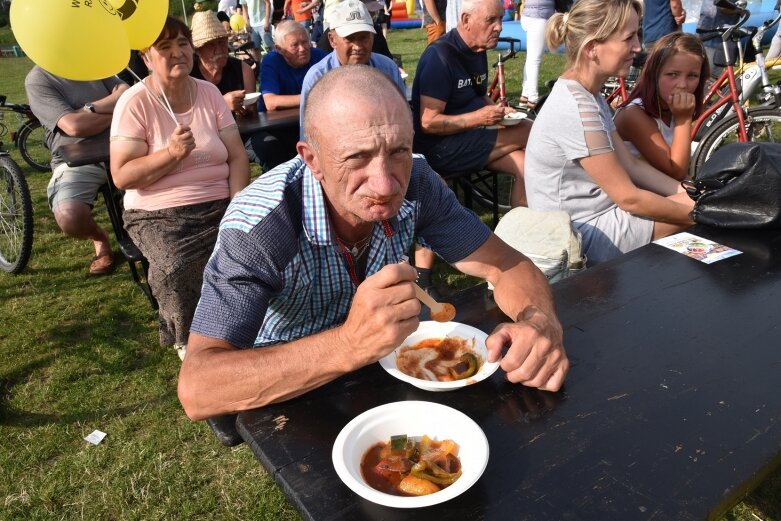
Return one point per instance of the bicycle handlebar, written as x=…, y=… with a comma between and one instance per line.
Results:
x=511, y=53
x=766, y=26
x=727, y=32
x=21, y=108
x=243, y=47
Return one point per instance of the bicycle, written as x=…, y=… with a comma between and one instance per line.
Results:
x=741, y=124
x=16, y=215
x=753, y=76
x=29, y=138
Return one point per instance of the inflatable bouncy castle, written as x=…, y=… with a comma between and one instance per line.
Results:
x=403, y=15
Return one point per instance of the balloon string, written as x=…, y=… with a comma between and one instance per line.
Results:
x=166, y=106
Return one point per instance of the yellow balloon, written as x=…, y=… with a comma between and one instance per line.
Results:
x=143, y=20
x=77, y=39
x=237, y=22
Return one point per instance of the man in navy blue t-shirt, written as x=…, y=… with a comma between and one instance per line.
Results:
x=455, y=123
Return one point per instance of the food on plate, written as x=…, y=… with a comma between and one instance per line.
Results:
x=439, y=359
x=406, y=466
x=515, y=115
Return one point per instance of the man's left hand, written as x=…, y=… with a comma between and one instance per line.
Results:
x=536, y=356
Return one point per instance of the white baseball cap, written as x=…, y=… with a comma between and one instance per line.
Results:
x=350, y=17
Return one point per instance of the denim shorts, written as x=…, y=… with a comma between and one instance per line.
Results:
x=465, y=151
x=80, y=183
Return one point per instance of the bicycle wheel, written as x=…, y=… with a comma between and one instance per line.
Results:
x=762, y=125
x=16, y=217
x=31, y=140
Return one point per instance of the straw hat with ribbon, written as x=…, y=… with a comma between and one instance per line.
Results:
x=207, y=27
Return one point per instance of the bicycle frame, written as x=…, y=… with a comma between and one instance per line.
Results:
x=619, y=91
x=750, y=76
x=732, y=97
x=500, y=95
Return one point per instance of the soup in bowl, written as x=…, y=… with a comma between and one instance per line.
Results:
x=356, y=456
x=441, y=357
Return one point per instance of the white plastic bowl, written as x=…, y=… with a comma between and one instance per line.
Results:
x=431, y=329
x=413, y=418
x=250, y=98
x=513, y=118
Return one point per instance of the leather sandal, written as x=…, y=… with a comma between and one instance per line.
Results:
x=102, y=264
x=524, y=101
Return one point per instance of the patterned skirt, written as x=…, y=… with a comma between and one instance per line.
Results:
x=177, y=242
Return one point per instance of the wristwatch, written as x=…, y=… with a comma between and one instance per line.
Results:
x=90, y=107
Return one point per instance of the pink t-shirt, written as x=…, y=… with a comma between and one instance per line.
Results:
x=200, y=177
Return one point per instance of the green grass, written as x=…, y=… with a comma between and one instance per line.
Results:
x=80, y=353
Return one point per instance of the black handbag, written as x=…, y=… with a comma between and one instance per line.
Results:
x=739, y=186
x=562, y=6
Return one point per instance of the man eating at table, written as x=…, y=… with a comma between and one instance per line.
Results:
x=306, y=284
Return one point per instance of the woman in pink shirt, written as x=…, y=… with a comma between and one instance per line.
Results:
x=178, y=177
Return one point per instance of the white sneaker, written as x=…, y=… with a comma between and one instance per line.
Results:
x=181, y=350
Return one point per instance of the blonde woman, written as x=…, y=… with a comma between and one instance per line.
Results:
x=575, y=159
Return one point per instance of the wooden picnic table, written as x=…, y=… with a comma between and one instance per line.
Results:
x=671, y=410
x=268, y=121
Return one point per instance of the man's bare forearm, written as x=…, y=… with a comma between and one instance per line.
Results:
x=445, y=125
x=218, y=379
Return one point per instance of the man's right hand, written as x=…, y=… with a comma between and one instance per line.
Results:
x=181, y=143
x=383, y=313
x=490, y=115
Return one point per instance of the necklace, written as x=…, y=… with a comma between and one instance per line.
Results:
x=354, y=253
x=357, y=249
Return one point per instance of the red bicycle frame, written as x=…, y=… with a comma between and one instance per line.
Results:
x=732, y=97
x=618, y=91
x=500, y=94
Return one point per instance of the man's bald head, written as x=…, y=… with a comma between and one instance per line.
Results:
x=347, y=85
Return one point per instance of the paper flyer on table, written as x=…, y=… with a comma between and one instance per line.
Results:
x=697, y=248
